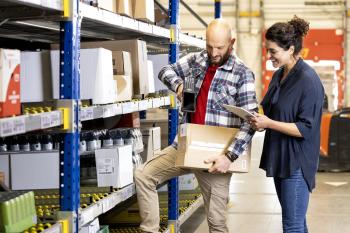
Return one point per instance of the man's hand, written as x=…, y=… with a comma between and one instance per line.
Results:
x=179, y=92
x=220, y=163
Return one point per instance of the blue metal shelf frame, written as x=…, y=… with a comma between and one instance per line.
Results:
x=70, y=91
x=173, y=184
x=217, y=9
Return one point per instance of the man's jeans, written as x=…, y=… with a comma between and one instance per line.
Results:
x=293, y=194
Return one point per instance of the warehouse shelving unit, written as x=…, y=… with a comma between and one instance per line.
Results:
x=67, y=22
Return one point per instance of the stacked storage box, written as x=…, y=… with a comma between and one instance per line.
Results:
x=17, y=211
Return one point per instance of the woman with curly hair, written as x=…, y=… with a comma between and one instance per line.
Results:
x=293, y=111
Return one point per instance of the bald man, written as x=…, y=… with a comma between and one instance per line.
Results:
x=220, y=77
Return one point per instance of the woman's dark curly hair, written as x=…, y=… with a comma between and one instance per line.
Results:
x=287, y=34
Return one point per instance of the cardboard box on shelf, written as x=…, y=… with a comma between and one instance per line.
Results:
x=2, y=177
x=151, y=140
x=36, y=81
x=110, y=5
x=138, y=53
x=124, y=7
x=10, y=103
x=130, y=120
x=121, y=63
x=124, y=87
x=96, y=75
x=199, y=142
x=114, y=166
x=5, y=168
x=144, y=10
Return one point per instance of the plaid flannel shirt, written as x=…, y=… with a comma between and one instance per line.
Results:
x=233, y=84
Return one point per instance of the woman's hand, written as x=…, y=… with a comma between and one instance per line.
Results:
x=259, y=122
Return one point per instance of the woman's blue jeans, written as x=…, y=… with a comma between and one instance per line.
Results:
x=293, y=194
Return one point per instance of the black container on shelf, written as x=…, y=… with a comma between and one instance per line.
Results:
x=14, y=143
x=24, y=144
x=3, y=145
x=35, y=144
x=46, y=142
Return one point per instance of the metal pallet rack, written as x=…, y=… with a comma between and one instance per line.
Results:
x=41, y=21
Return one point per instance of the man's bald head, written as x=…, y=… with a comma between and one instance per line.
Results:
x=219, y=27
x=219, y=41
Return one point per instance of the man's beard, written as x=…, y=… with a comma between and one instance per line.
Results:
x=222, y=60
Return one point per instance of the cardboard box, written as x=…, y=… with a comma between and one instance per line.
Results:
x=151, y=140
x=114, y=166
x=130, y=120
x=5, y=168
x=34, y=170
x=2, y=177
x=91, y=227
x=138, y=53
x=199, y=142
x=121, y=63
x=144, y=10
x=124, y=87
x=124, y=7
x=96, y=75
x=10, y=103
x=110, y=5
x=36, y=81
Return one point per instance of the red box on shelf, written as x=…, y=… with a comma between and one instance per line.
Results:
x=10, y=103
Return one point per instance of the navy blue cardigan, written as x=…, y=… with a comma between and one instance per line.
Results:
x=298, y=100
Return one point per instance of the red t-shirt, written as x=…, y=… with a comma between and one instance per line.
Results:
x=198, y=117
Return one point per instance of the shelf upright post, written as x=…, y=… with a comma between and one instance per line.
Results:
x=217, y=9
x=173, y=188
x=70, y=103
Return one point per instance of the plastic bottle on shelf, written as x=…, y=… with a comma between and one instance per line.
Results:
x=35, y=144
x=14, y=146
x=91, y=141
x=3, y=146
x=82, y=144
x=107, y=140
x=117, y=139
x=46, y=141
x=56, y=141
x=24, y=144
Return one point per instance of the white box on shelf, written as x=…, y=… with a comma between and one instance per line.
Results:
x=34, y=170
x=114, y=166
x=150, y=85
x=91, y=227
x=138, y=53
x=96, y=75
x=36, y=81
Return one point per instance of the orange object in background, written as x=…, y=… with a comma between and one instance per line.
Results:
x=10, y=103
x=325, y=126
